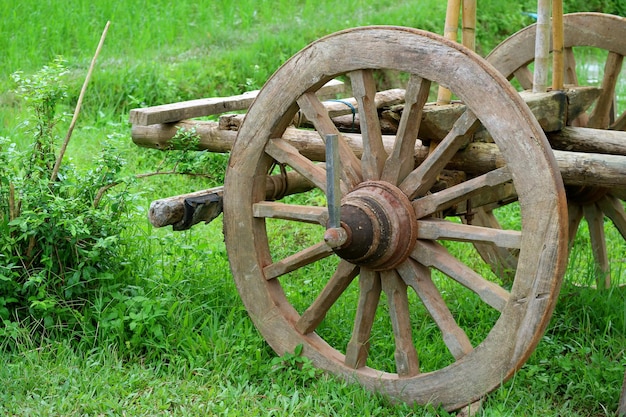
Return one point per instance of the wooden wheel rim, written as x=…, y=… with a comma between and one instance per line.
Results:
x=543, y=247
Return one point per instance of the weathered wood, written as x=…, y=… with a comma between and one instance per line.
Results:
x=298, y=260
x=421, y=179
x=345, y=109
x=552, y=109
x=358, y=347
x=407, y=363
x=600, y=117
x=338, y=283
x=251, y=246
x=595, y=221
x=434, y=255
x=168, y=113
x=557, y=45
x=400, y=161
x=580, y=139
x=602, y=31
x=446, y=230
x=585, y=166
x=542, y=47
x=450, y=31
x=418, y=277
x=445, y=199
x=350, y=106
x=314, y=111
x=172, y=210
x=436, y=122
x=374, y=155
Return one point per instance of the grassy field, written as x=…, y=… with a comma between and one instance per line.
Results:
x=168, y=334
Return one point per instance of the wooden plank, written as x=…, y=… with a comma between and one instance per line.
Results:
x=168, y=113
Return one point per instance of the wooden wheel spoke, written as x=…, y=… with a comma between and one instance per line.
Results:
x=525, y=77
x=614, y=210
x=620, y=123
x=369, y=295
x=595, y=221
x=445, y=230
x=601, y=115
x=417, y=276
x=448, y=197
x=574, y=215
x=619, y=193
x=570, y=66
x=434, y=255
x=421, y=179
x=503, y=261
x=407, y=363
x=314, y=110
x=337, y=284
x=293, y=212
x=285, y=153
x=401, y=161
x=374, y=155
x=298, y=260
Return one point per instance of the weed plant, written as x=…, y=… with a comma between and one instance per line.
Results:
x=152, y=324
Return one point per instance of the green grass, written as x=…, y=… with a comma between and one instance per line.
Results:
x=169, y=335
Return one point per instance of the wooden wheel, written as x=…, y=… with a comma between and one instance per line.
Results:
x=398, y=249
x=582, y=31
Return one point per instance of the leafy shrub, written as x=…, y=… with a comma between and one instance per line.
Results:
x=59, y=238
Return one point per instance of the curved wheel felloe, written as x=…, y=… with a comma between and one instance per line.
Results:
x=400, y=276
x=582, y=31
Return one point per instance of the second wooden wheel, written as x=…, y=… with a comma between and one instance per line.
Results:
x=589, y=38
x=396, y=307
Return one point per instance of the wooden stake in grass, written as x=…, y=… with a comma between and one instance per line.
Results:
x=57, y=164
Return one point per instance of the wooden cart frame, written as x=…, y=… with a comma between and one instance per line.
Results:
x=398, y=170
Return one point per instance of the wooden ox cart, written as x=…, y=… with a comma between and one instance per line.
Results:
x=404, y=180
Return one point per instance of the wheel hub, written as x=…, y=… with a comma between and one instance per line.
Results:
x=380, y=224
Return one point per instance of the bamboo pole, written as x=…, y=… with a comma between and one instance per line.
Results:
x=542, y=47
x=450, y=32
x=468, y=20
x=558, y=66
x=59, y=159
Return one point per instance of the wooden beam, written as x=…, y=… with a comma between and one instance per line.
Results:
x=551, y=109
x=577, y=168
x=168, y=113
x=183, y=211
